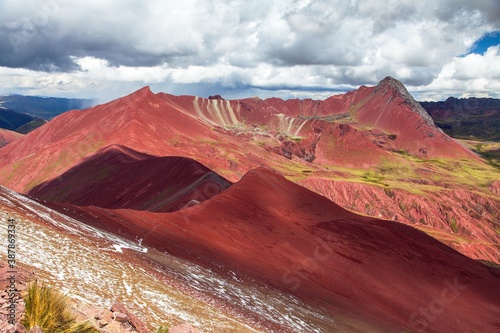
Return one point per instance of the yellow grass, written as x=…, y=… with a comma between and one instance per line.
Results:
x=49, y=309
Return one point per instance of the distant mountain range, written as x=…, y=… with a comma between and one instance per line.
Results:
x=25, y=113
x=19, y=122
x=43, y=107
x=467, y=118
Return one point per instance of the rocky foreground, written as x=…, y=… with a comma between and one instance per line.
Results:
x=116, y=319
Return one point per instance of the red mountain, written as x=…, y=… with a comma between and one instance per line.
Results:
x=372, y=120
x=162, y=184
x=373, y=150
x=355, y=129
x=141, y=121
x=371, y=275
x=7, y=137
x=399, y=114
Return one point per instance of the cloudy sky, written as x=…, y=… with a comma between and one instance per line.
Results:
x=242, y=48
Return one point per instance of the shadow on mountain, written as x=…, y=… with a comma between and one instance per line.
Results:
x=119, y=177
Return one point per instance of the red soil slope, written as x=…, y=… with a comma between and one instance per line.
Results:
x=132, y=121
x=140, y=121
x=161, y=184
x=475, y=214
x=7, y=136
x=365, y=271
x=399, y=114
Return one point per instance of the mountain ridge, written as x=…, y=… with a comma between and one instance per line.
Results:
x=7, y=136
x=129, y=174
x=467, y=118
x=166, y=183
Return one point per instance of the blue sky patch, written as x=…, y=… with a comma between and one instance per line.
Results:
x=487, y=40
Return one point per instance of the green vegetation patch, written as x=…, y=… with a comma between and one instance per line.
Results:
x=453, y=224
x=162, y=329
x=373, y=177
x=490, y=151
x=341, y=118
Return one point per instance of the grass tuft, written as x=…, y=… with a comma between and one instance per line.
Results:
x=48, y=309
x=373, y=177
x=453, y=224
x=162, y=329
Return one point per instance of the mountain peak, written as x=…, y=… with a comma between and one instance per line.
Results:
x=143, y=90
x=389, y=80
x=390, y=85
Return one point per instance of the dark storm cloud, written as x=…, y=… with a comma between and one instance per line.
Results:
x=130, y=34
x=35, y=53
x=39, y=50
x=34, y=38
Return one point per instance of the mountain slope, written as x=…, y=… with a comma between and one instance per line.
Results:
x=110, y=179
x=7, y=136
x=169, y=124
x=387, y=110
x=374, y=150
x=59, y=145
x=98, y=268
x=400, y=115
x=363, y=270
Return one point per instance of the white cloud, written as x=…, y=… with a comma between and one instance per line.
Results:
x=472, y=75
x=88, y=47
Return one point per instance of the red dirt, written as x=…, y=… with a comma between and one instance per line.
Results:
x=361, y=269
x=431, y=212
x=7, y=137
x=388, y=109
x=165, y=184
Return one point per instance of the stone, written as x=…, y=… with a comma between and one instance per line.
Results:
x=102, y=323
x=35, y=329
x=20, y=328
x=183, y=328
x=136, y=323
x=121, y=317
x=103, y=315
